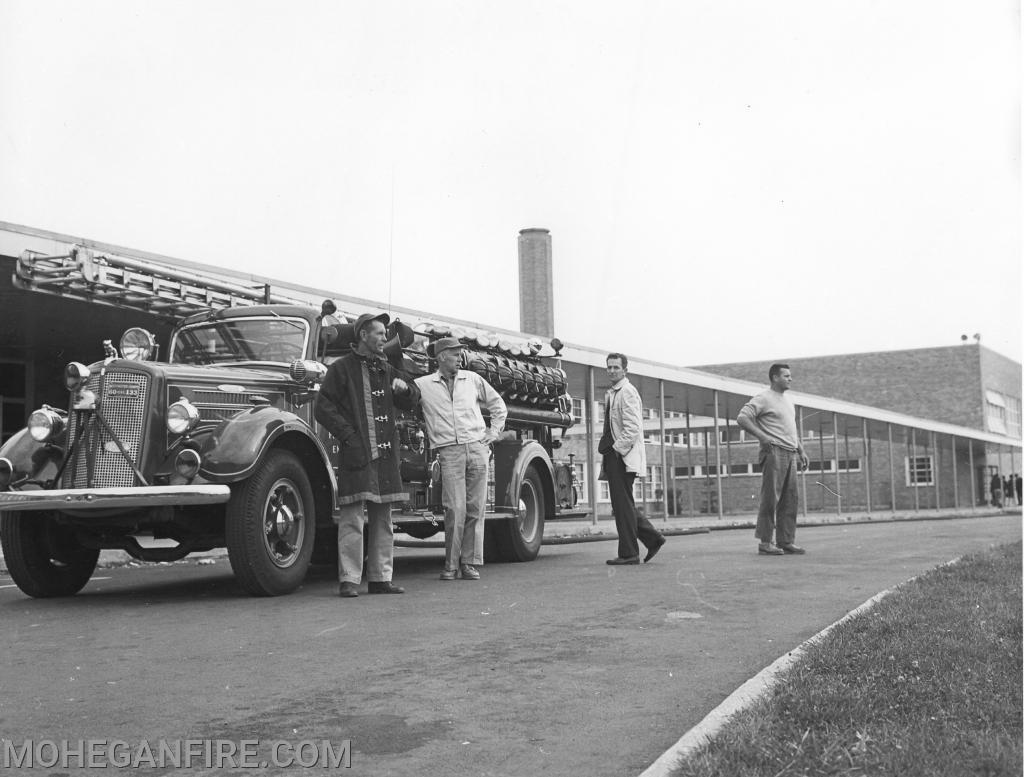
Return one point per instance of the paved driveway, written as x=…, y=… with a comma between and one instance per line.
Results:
x=564, y=666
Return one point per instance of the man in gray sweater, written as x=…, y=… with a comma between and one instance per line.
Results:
x=771, y=418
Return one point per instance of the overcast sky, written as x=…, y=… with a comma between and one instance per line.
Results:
x=723, y=180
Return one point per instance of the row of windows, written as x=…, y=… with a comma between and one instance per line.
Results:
x=726, y=434
x=918, y=472
x=710, y=470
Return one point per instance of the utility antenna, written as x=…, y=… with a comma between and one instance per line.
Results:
x=391, y=238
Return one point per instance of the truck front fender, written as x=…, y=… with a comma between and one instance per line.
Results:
x=234, y=449
x=33, y=463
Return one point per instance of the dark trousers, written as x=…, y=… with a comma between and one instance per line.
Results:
x=628, y=523
x=778, y=496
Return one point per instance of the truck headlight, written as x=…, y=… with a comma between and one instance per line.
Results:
x=182, y=417
x=76, y=375
x=45, y=424
x=186, y=463
x=137, y=344
x=6, y=473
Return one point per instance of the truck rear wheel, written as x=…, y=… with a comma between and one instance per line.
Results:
x=271, y=527
x=519, y=538
x=44, y=558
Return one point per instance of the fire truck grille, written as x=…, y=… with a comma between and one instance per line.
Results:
x=220, y=405
x=97, y=460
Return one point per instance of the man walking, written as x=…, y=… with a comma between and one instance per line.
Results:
x=771, y=418
x=357, y=405
x=451, y=399
x=622, y=448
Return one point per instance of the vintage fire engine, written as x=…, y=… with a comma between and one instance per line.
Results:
x=217, y=445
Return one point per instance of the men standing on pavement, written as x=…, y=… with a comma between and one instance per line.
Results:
x=451, y=399
x=622, y=449
x=771, y=418
x=356, y=404
x=1018, y=482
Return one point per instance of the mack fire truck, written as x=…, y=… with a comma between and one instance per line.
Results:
x=216, y=445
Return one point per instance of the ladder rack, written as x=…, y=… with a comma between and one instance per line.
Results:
x=135, y=284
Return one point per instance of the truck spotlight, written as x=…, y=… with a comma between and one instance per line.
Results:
x=182, y=417
x=187, y=463
x=138, y=344
x=45, y=424
x=76, y=375
x=306, y=370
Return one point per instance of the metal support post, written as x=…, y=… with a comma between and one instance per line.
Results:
x=912, y=464
x=591, y=448
x=866, y=463
x=892, y=472
x=956, y=480
x=718, y=459
x=936, y=465
x=664, y=460
x=689, y=458
x=974, y=475
x=803, y=473
x=835, y=449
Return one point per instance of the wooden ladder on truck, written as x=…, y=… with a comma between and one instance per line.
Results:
x=136, y=284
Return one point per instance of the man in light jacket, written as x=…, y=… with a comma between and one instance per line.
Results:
x=451, y=399
x=622, y=446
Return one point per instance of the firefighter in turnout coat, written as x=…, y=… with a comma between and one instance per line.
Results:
x=356, y=403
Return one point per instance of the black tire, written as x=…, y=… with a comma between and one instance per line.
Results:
x=519, y=539
x=44, y=558
x=271, y=527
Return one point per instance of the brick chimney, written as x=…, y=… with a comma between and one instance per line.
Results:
x=536, y=291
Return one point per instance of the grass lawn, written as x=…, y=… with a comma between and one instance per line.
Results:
x=928, y=682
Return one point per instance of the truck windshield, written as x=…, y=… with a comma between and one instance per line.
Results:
x=241, y=340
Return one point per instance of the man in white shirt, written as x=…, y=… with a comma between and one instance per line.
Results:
x=771, y=418
x=451, y=400
x=624, y=457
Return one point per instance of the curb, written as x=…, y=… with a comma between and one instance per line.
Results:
x=754, y=689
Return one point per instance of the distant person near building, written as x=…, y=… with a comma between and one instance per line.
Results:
x=356, y=403
x=771, y=418
x=1018, y=483
x=624, y=457
x=451, y=400
x=996, y=487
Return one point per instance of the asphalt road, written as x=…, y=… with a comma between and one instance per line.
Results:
x=564, y=666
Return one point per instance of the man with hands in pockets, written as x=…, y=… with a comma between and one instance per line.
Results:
x=451, y=399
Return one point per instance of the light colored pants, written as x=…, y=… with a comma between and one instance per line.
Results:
x=778, y=495
x=380, y=549
x=464, y=494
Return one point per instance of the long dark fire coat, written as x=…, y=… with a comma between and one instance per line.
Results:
x=357, y=406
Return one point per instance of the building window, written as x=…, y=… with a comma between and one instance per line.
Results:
x=603, y=494
x=580, y=484
x=995, y=411
x=577, y=410
x=821, y=466
x=849, y=465
x=738, y=469
x=918, y=470
x=1013, y=427
x=683, y=472
x=732, y=434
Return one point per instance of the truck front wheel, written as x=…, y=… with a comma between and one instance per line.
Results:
x=44, y=558
x=271, y=525
x=519, y=538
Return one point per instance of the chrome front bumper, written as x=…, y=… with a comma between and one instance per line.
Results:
x=112, y=498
